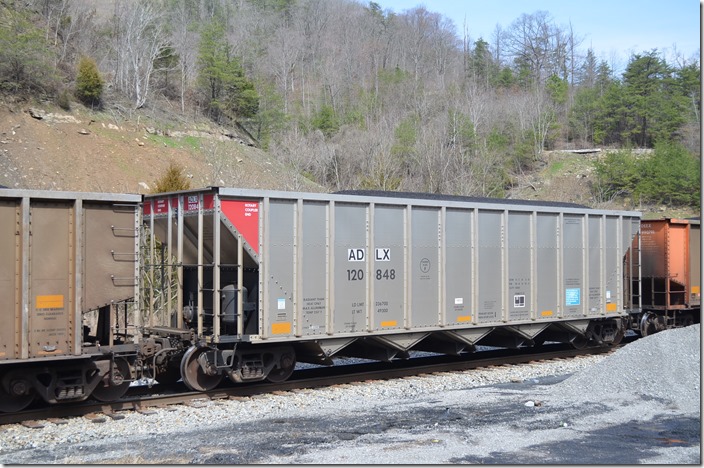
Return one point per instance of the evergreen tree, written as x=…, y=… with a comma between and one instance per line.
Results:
x=326, y=121
x=646, y=107
x=587, y=73
x=481, y=64
x=604, y=78
x=25, y=61
x=505, y=78
x=89, y=83
x=610, y=121
x=652, y=106
x=221, y=76
x=688, y=80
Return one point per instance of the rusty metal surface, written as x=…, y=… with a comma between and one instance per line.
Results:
x=9, y=270
x=109, y=254
x=50, y=243
x=670, y=252
x=695, y=266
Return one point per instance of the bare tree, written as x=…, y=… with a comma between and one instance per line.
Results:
x=537, y=43
x=573, y=42
x=498, y=44
x=284, y=52
x=184, y=37
x=140, y=38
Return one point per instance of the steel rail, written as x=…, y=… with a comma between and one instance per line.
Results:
x=142, y=398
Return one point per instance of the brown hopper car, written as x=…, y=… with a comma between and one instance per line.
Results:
x=670, y=273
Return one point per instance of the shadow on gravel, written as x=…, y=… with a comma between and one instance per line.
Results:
x=259, y=441
x=256, y=442
x=293, y=439
x=628, y=443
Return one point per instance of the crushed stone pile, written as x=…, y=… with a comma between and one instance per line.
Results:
x=664, y=366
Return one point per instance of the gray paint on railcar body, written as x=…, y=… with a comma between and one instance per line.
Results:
x=455, y=264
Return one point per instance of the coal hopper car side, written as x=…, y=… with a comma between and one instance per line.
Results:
x=68, y=273
x=670, y=251
x=266, y=279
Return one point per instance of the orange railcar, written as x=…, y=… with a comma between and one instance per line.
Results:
x=670, y=273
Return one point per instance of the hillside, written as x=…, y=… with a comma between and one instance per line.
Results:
x=568, y=177
x=43, y=147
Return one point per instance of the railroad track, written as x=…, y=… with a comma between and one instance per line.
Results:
x=144, y=399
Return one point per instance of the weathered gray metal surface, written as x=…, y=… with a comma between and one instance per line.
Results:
x=339, y=265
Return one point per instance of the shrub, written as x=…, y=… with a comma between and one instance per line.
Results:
x=670, y=175
x=172, y=180
x=89, y=83
x=63, y=100
x=326, y=121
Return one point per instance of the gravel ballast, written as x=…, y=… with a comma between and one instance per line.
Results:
x=640, y=404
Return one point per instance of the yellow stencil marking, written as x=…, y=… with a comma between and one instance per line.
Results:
x=50, y=302
x=389, y=323
x=546, y=313
x=464, y=318
x=695, y=289
x=281, y=328
x=611, y=307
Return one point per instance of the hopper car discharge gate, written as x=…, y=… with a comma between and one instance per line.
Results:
x=262, y=279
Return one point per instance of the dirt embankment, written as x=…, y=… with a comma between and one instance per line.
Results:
x=45, y=148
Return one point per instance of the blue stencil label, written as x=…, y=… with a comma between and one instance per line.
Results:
x=572, y=296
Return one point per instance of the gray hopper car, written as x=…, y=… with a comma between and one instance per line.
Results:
x=266, y=278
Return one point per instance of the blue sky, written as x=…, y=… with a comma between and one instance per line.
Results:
x=615, y=29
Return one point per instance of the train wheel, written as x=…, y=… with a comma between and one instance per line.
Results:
x=687, y=320
x=579, y=342
x=617, y=338
x=11, y=403
x=648, y=325
x=170, y=375
x=111, y=391
x=192, y=371
x=287, y=362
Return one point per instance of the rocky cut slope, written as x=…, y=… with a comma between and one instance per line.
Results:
x=46, y=148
